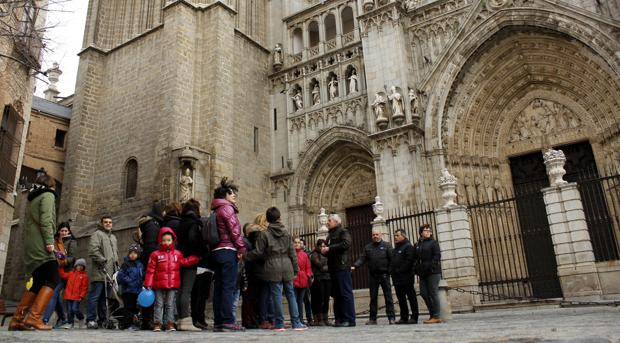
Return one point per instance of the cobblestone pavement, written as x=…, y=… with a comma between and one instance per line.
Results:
x=531, y=324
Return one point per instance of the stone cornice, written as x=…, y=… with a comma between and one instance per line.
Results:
x=118, y=47
x=201, y=7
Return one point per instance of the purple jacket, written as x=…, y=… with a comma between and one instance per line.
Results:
x=228, y=225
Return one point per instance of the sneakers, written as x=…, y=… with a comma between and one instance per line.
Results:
x=92, y=325
x=67, y=326
x=300, y=327
x=433, y=321
x=391, y=321
x=156, y=327
x=282, y=329
x=170, y=327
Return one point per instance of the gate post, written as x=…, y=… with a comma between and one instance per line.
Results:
x=569, y=232
x=457, y=254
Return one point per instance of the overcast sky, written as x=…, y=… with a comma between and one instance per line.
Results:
x=68, y=18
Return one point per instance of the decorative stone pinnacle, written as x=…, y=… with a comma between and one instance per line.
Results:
x=447, y=184
x=378, y=209
x=554, y=161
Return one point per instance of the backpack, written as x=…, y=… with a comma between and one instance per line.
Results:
x=209, y=231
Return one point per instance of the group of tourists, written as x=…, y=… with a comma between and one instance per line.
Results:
x=174, y=258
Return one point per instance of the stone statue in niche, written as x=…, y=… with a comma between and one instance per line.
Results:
x=378, y=106
x=499, y=189
x=277, y=55
x=353, y=82
x=413, y=103
x=298, y=100
x=186, y=186
x=397, y=105
x=333, y=88
x=480, y=192
x=316, y=94
x=543, y=117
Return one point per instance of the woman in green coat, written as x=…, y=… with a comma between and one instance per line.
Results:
x=39, y=258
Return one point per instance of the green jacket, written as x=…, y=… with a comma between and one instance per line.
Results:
x=275, y=247
x=103, y=253
x=40, y=228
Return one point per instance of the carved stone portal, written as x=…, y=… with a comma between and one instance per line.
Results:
x=542, y=117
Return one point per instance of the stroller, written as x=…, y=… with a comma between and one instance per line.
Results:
x=115, y=314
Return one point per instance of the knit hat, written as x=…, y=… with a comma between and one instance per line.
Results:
x=133, y=248
x=80, y=262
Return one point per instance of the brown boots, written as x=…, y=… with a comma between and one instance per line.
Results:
x=17, y=321
x=38, y=308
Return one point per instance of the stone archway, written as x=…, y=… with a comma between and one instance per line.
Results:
x=336, y=172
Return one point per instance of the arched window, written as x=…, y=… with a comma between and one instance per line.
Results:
x=347, y=20
x=131, y=178
x=313, y=31
x=298, y=41
x=330, y=27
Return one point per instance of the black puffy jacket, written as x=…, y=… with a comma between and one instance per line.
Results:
x=378, y=256
x=339, y=243
x=427, y=257
x=402, y=263
x=189, y=236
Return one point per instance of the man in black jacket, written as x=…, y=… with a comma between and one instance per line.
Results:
x=403, y=277
x=377, y=255
x=337, y=252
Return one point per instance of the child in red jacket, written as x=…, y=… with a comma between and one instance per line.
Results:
x=302, y=280
x=163, y=275
x=76, y=289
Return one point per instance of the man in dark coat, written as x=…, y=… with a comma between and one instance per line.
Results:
x=403, y=277
x=377, y=255
x=337, y=252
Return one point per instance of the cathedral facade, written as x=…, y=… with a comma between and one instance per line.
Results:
x=327, y=104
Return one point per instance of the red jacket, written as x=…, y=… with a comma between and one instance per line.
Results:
x=302, y=280
x=77, y=284
x=228, y=226
x=162, y=271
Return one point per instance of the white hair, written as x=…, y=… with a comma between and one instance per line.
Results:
x=335, y=217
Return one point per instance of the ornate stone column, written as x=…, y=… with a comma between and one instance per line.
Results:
x=457, y=254
x=569, y=232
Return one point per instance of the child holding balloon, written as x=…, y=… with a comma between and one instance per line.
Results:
x=163, y=275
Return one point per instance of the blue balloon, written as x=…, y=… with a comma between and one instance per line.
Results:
x=146, y=298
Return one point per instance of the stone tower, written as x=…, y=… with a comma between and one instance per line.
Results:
x=164, y=87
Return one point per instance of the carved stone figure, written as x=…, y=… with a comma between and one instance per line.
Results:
x=185, y=186
x=542, y=117
x=298, y=100
x=353, y=82
x=447, y=184
x=277, y=55
x=379, y=107
x=316, y=94
x=333, y=88
x=413, y=102
x=397, y=105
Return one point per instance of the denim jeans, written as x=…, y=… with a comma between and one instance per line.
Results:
x=265, y=303
x=300, y=294
x=165, y=302
x=96, y=306
x=73, y=308
x=342, y=292
x=429, y=290
x=56, y=303
x=225, y=285
x=236, y=297
x=276, y=295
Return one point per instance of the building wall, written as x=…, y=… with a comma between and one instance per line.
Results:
x=40, y=144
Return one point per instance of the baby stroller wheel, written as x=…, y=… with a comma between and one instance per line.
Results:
x=109, y=324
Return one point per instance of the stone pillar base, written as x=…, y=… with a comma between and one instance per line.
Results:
x=463, y=301
x=580, y=283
